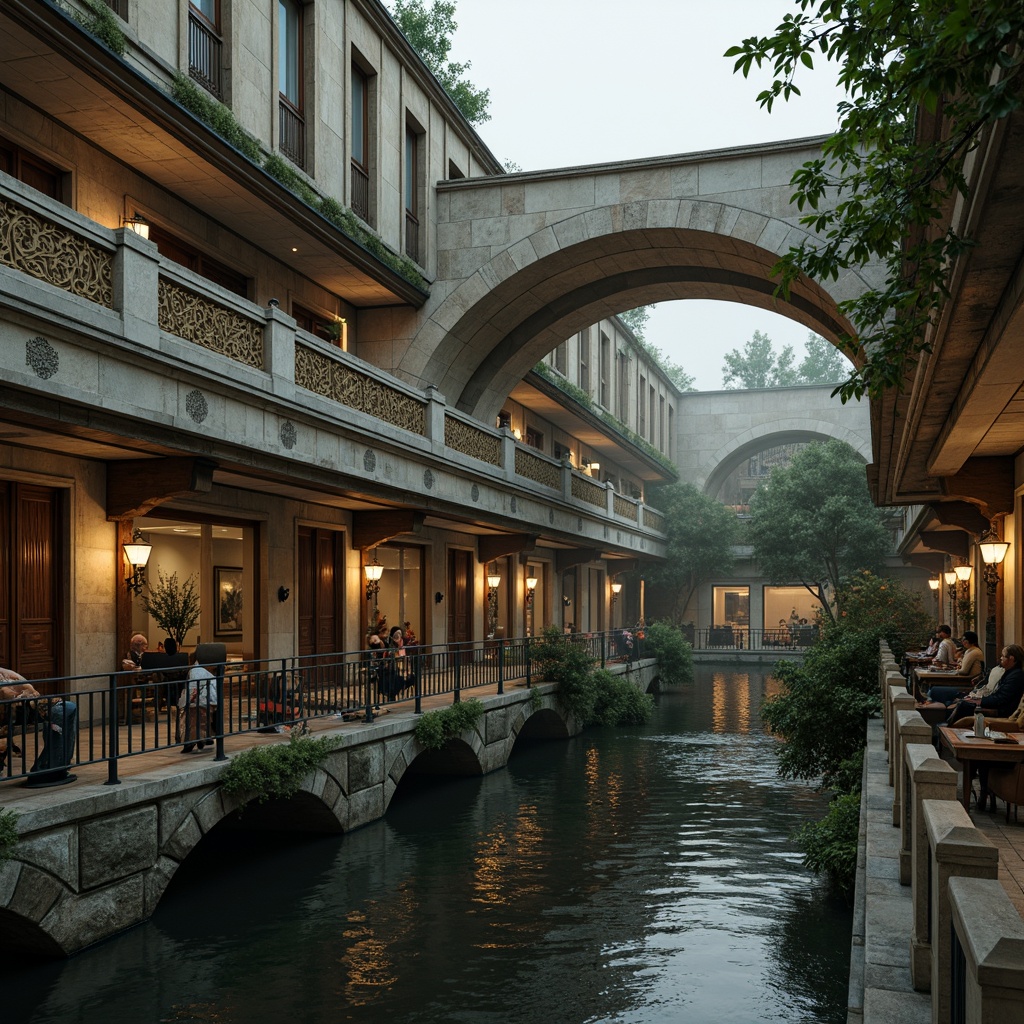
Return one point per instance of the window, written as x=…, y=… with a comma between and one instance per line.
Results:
x=32, y=171
x=562, y=452
x=560, y=358
x=671, y=433
x=641, y=410
x=316, y=323
x=622, y=388
x=535, y=439
x=204, y=45
x=453, y=171
x=605, y=370
x=180, y=252
x=651, y=394
x=414, y=146
x=585, y=359
x=292, y=136
x=661, y=423
x=360, y=144
x=119, y=7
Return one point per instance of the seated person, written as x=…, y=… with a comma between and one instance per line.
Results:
x=782, y=633
x=969, y=666
x=945, y=656
x=137, y=646
x=1003, y=700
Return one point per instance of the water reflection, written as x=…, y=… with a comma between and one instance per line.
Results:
x=636, y=876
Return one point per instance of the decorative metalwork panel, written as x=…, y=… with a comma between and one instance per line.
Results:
x=583, y=489
x=472, y=441
x=624, y=508
x=221, y=330
x=654, y=520
x=56, y=255
x=318, y=372
x=537, y=469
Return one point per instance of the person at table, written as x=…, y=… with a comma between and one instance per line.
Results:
x=970, y=666
x=1003, y=700
x=137, y=646
x=945, y=656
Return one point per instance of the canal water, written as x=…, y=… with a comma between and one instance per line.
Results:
x=643, y=876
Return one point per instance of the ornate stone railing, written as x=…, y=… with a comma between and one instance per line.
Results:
x=323, y=374
x=469, y=440
x=204, y=322
x=55, y=254
x=653, y=520
x=533, y=467
x=588, y=491
x=626, y=508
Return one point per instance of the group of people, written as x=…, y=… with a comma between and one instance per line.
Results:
x=196, y=698
x=391, y=668
x=998, y=694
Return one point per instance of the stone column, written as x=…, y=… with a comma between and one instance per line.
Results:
x=899, y=700
x=434, y=418
x=891, y=679
x=910, y=728
x=508, y=454
x=991, y=935
x=930, y=779
x=279, y=350
x=958, y=850
x=137, y=287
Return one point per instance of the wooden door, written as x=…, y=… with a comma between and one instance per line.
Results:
x=32, y=588
x=460, y=586
x=319, y=584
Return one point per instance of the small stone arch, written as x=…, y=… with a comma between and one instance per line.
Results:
x=717, y=468
x=484, y=336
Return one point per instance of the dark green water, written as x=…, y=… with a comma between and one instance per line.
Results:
x=638, y=876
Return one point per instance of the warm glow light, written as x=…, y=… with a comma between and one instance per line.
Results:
x=950, y=577
x=993, y=551
x=137, y=553
x=934, y=583
x=963, y=572
x=138, y=224
x=373, y=571
x=616, y=589
x=531, y=582
x=493, y=580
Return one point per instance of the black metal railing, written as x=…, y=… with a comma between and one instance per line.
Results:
x=740, y=638
x=86, y=720
x=292, y=135
x=204, y=55
x=360, y=192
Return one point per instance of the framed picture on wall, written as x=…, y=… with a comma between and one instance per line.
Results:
x=227, y=585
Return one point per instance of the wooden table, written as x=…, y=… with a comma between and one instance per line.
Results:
x=926, y=677
x=968, y=749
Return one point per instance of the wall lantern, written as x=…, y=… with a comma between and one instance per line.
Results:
x=963, y=572
x=933, y=583
x=138, y=224
x=531, y=586
x=616, y=590
x=137, y=553
x=992, y=554
x=373, y=572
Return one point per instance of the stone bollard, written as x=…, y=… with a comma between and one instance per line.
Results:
x=958, y=850
x=892, y=680
x=990, y=934
x=910, y=728
x=899, y=700
x=930, y=778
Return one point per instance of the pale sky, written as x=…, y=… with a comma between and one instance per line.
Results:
x=588, y=81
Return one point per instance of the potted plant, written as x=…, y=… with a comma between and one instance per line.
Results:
x=173, y=605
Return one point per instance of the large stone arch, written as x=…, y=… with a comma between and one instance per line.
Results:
x=763, y=436
x=530, y=295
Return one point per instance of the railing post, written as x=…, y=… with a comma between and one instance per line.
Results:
x=458, y=674
x=501, y=666
x=418, y=669
x=114, y=740
x=218, y=716
x=604, y=645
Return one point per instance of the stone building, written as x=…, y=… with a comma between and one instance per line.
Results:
x=214, y=227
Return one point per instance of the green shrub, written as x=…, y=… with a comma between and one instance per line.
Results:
x=830, y=845
x=100, y=21
x=665, y=641
x=276, y=771
x=617, y=701
x=435, y=728
x=565, y=660
x=884, y=607
x=8, y=834
x=215, y=115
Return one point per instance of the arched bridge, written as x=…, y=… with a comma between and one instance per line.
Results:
x=526, y=260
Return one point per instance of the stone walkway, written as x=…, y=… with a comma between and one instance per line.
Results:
x=880, y=990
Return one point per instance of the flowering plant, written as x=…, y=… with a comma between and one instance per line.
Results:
x=408, y=637
x=627, y=639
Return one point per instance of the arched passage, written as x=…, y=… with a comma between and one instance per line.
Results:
x=527, y=298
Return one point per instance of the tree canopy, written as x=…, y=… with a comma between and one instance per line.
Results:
x=701, y=532
x=759, y=366
x=880, y=191
x=813, y=522
x=429, y=31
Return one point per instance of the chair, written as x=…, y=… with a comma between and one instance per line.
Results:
x=1005, y=781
